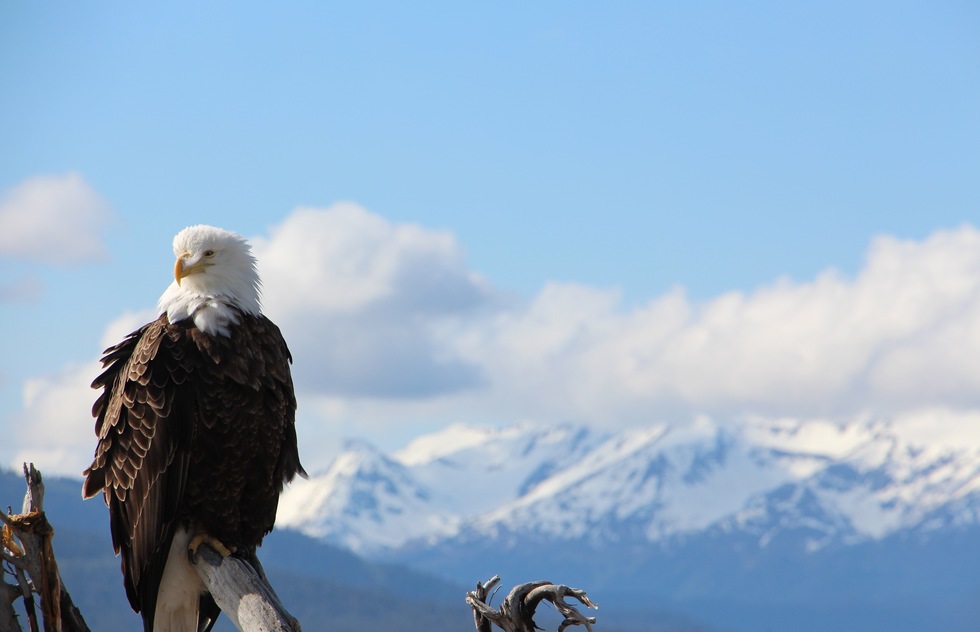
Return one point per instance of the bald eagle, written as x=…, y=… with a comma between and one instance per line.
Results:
x=196, y=434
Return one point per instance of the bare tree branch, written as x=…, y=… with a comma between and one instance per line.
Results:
x=29, y=551
x=27, y=594
x=242, y=592
x=11, y=558
x=477, y=599
x=516, y=613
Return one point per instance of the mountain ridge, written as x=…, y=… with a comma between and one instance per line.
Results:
x=849, y=482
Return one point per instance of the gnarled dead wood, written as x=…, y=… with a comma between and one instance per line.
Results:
x=28, y=554
x=516, y=613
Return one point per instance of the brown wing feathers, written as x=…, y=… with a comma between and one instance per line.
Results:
x=141, y=459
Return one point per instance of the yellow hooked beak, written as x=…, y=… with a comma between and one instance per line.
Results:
x=181, y=271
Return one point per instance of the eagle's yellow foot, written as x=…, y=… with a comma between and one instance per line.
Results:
x=201, y=538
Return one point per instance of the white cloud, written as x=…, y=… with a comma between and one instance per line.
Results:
x=391, y=331
x=55, y=430
x=53, y=219
x=363, y=302
x=905, y=332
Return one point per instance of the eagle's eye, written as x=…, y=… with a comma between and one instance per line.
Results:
x=208, y=253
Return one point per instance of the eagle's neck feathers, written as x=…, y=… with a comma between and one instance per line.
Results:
x=213, y=312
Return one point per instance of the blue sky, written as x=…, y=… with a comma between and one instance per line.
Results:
x=624, y=149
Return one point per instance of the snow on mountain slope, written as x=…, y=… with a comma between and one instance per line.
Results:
x=366, y=500
x=880, y=476
x=833, y=482
x=477, y=469
x=648, y=483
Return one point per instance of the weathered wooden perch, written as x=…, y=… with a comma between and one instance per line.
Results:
x=28, y=557
x=243, y=593
x=516, y=613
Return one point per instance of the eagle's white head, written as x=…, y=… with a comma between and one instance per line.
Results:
x=214, y=274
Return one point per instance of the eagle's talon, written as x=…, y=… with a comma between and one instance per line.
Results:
x=202, y=538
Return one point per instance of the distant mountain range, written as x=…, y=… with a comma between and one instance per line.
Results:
x=755, y=524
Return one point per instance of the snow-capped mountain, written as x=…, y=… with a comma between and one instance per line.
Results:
x=368, y=501
x=827, y=482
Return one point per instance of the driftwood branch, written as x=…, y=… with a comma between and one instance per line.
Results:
x=516, y=613
x=242, y=592
x=29, y=556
